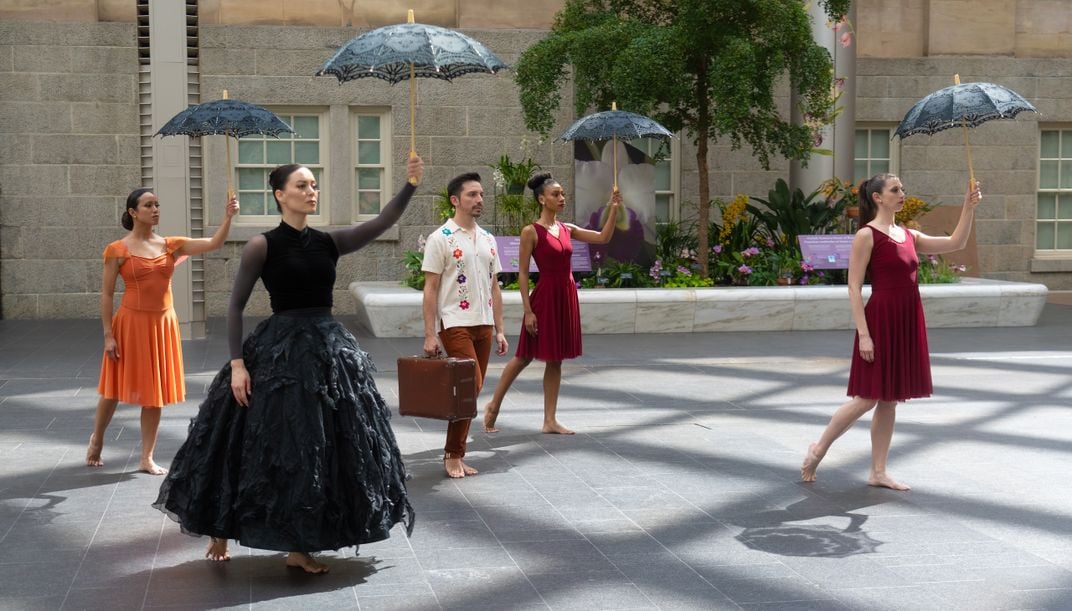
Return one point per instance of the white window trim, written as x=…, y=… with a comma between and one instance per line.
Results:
x=386, y=158
x=674, y=211
x=1050, y=253
x=895, y=147
x=321, y=219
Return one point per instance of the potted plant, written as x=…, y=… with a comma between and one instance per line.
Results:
x=512, y=209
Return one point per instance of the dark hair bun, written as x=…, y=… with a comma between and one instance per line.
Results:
x=538, y=179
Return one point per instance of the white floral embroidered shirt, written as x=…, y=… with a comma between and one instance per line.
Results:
x=468, y=264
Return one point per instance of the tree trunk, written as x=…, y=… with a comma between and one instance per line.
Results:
x=704, y=222
x=703, y=120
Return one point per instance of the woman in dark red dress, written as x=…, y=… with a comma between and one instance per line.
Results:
x=890, y=361
x=551, y=331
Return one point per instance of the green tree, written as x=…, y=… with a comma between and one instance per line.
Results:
x=707, y=67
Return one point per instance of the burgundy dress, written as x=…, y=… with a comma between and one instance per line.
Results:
x=554, y=301
x=902, y=368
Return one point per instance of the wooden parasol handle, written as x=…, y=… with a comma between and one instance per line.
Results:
x=967, y=144
x=412, y=109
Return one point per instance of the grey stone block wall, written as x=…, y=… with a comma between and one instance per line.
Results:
x=69, y=154
x=1005, y=152
x=69, y=148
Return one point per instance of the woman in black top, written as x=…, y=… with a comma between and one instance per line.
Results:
x=292, y=449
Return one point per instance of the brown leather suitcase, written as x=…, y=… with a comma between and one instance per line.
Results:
x=443, y=388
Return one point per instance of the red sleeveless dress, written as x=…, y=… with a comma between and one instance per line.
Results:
x=554, y=301
x=902, y=367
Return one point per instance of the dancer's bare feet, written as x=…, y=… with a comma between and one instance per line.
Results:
x=455, y=468
x=217, y=550
x=811, y=463
x=881, y=480
x=306, y=563
x=149, y=466
x=93, y=452
x=490, y=416
x=556, y=428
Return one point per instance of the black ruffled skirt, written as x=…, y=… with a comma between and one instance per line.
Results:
x=312, y=463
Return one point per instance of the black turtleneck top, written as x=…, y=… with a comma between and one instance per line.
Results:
x=298, y=266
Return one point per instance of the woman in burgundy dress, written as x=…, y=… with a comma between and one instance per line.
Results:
x=890, y=361
x=551, y=331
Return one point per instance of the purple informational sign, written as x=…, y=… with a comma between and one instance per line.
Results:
x=509, y=248
x=827, y=251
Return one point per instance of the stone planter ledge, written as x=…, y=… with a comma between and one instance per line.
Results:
x=388, y=309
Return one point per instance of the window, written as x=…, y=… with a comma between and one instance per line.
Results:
x=667, y=180
x=873, y=153
x=1053, y=224
x=258, y=155
x=372, y=153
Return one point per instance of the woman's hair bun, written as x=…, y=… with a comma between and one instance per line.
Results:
x=538, y=179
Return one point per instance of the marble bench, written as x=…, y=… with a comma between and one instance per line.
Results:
x=388, y=309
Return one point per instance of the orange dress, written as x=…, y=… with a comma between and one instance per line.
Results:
x=146, y=330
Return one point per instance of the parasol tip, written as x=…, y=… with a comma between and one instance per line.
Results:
x=409, y=16
x=956, y=79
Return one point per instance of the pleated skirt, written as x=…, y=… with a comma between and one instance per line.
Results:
x=312, y=464
x=149, y=371
x=902, y=368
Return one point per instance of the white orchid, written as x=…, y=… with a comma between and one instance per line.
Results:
x=636, y=182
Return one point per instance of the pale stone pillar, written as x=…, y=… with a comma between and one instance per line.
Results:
x=839, y=136
x=167, y=65
x=845, y=124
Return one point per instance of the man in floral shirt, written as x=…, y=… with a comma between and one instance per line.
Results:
x=462, y=301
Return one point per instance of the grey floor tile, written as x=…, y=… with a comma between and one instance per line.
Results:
x=688, y=447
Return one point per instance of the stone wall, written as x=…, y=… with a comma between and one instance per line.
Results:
x=69, y=153
x=1005, y=153
x=461, y=126
x=919, y=28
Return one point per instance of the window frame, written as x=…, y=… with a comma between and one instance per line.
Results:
x=1063, y=131
x=386, y=165
x=323, y=217
x=894, y=159
x=674, y=158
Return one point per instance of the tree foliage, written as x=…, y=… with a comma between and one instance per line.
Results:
x=708, y=68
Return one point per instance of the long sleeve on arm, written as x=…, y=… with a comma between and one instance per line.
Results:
x=353, y=238
x=249, y=270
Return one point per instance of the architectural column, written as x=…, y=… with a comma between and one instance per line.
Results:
x=844, y=140
x=167, y=65
x=838, y=137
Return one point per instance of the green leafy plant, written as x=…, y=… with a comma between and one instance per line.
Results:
x=675, y=241
x=934, y=269
x=511, y=176
x=513, y=210
x=788, y=214
x=444, y=209
x=616, y=274
x=414, y=277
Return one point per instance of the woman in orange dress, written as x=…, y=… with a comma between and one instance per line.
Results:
x=142, y=362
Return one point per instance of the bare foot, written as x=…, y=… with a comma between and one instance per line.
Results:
x=881, y=480
x=811, y=463
x=306, y=563
x=217, y=550
x=469, y=470
x=454, y=467
x=555, y=428
x=489, y=419
x=93, y=452
x=149, y=466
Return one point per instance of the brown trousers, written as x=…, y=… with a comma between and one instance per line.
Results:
x=470, y=343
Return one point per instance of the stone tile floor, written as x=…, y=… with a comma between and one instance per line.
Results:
x=680, y=491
